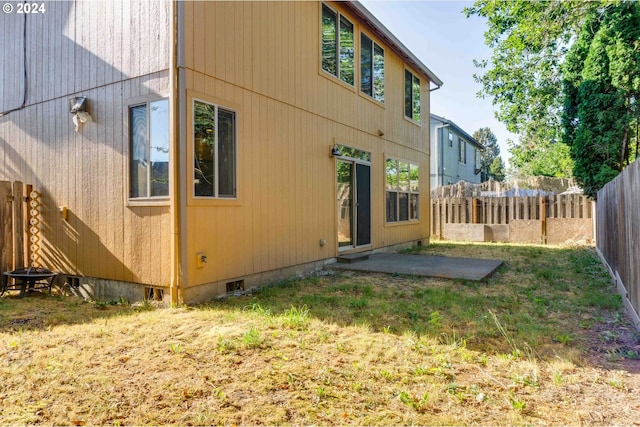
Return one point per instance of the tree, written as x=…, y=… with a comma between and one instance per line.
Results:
x=529, y=41
x=541, y=159
x=564, y=72
x=496, y=170
x=488, y=157
x=601, y=88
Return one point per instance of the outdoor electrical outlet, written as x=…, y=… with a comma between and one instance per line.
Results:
x=201, y=259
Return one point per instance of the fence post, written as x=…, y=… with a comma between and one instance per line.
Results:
x=6, y=227
x=543, y=219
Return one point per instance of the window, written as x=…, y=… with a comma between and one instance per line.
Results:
x=371, y=68
x=476, y=159
x=462, y=155
x=450, y=140
x=411, y=96
x=149, y=150
x=401, y=190
x=214, y=155
x=338, y=50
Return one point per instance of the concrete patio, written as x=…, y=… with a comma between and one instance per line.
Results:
x=474, y=269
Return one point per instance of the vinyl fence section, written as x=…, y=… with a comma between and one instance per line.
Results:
x=618, y=234
x=535, y=219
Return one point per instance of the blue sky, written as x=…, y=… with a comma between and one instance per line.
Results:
x=447, y=42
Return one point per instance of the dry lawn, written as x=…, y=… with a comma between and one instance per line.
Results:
x=543, y=342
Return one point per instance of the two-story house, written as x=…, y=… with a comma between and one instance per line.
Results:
x=230, y=143
x=455, y=155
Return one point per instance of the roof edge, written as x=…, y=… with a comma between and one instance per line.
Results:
x=383, y=32
x=457, y=128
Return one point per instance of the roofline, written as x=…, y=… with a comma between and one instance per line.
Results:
x=384, y=34
x=457, y=128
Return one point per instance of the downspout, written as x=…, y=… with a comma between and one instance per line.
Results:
x=175, y=287
x=439, y=144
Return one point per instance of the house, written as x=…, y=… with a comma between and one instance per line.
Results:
x=455, y=155
x=231, y=144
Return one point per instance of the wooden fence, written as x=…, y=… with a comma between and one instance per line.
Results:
x=536, y=219
x=618, y=234
x=13, y=225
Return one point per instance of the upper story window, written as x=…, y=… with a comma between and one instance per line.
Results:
x=450, y=140
x=401, y=190
x=214, y=164
x=149, y=150
x=371, y=68
x=462, y=154
x=411, y=96
x=338, y=47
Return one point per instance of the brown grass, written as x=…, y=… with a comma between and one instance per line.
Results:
x=543, y=342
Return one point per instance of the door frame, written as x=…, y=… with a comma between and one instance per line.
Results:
x=354, y=206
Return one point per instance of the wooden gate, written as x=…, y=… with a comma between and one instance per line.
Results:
x=12, y=225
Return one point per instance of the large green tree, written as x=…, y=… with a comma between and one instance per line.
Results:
x=491, y=164
x=601, y=91
x=562, y=72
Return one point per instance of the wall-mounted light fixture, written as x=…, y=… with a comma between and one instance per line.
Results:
x=335, y=151
x=78, y=104
x=79, y=110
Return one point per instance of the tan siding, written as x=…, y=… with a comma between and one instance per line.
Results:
x=85, y=172
x=264, y=57
x=85, y=44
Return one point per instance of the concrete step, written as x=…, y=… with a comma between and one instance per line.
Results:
x=351, y=258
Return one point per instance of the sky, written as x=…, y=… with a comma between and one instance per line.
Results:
x=447, y=42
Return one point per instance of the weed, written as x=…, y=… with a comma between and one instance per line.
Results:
x=565, y=339
x=224, y=345
x=517, y=404
x=617, y=383
x=175, y=348
x=296, y=318
x=515, y=350
x=435, y=318
x=356, y=386
x=557, y=378
x=219, y=394
x=417, y=404
x=609, y=336
x=252, y=338
x=385, y=374
x=258, y=309
x=358, y=304
x=528, y=380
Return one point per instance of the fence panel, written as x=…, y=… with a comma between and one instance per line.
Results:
x=618, y=231
x=6, y=226
x=12, y=226
x=556, y=218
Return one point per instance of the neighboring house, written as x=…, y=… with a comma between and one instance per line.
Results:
x=455, y=155
x=232, y=143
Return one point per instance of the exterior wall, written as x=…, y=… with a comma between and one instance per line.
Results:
x=85, y=48
x=450, y=170
x=289, y=115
